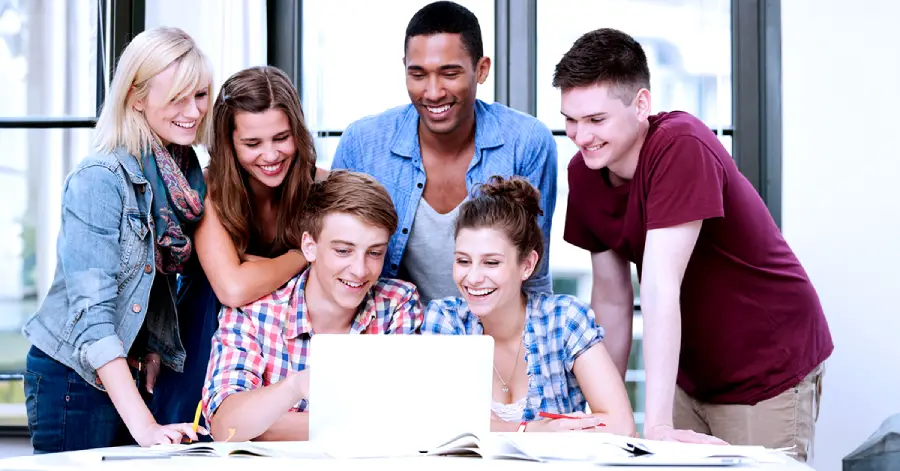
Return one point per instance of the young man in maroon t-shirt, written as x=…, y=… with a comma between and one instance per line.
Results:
x=730, y=315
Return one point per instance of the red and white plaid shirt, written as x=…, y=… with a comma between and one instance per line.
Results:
x=258, y=344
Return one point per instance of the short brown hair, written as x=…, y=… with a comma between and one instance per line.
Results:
x=353, y=193
x=511, y=206
x=604, y=56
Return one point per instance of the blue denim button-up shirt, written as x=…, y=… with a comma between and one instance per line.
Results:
x=507, y=143
x=101, y=292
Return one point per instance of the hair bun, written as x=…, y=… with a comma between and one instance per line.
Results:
x=517, y=190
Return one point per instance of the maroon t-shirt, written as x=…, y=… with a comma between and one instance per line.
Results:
x=752, y=324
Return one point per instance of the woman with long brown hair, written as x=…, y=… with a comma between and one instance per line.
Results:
x=261, y=168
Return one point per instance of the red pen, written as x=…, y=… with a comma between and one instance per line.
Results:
x=548, y=415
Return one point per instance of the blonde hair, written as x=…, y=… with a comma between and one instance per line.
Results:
x=148, y=54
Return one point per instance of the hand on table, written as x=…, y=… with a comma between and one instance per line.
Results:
x=671, y=434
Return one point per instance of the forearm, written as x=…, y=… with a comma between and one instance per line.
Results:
x=123, y=392
x=252, y=413
x=662, y=345
x=291, y=426
x=498, y=425
x=619, y=422
x=252, y=280
x=616, y=319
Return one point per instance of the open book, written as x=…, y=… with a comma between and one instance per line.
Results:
x=602, y=448
x=301, y=450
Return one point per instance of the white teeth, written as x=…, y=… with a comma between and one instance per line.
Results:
x=351, y=284
x=597, y=147
x=480, y=292
x=438, y=110
x=187, y=125
x=271, y=168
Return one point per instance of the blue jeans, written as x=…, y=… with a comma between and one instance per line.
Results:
x=176, y=395
x=65, y=413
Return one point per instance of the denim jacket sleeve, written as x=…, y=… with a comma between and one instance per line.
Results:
x=90, y=256
x=347, y=154
x=540, y=169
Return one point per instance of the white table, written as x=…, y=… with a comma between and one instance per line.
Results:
x=90, y=459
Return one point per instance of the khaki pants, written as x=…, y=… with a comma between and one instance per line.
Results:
x=787, y=420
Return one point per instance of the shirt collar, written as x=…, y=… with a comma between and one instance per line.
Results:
x=301, y=324
x=487, y=131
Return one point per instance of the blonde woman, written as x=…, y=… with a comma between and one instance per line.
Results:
x=108, y=323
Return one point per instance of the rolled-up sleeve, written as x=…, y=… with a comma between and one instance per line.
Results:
x=90, y=258
x=236, y=363
x=541, y=170
x=580, y=329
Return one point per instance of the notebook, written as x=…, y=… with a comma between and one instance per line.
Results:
x=602, y=449
x=397, y=395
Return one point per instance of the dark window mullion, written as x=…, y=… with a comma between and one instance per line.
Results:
x=722, y=132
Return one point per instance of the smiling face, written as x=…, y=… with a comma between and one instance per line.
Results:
x=173, y=121
x=441, y=79
x=264, y=145
x=606, y=130
x=487, y=270
x=346, y=259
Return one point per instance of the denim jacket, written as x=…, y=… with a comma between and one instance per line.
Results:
x=507, y=142
x=105, y=268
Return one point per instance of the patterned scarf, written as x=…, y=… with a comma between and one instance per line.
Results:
x=178, y=187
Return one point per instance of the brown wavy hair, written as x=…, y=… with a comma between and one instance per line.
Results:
x=256, y=90
x=510, y=205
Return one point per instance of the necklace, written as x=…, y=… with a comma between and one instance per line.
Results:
x=513, y=373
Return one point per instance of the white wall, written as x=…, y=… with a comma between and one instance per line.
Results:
x=841, y=213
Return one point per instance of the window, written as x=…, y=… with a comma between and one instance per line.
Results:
x=48, y=89
x=231, y=34
x=345, y=78
x=688, y=47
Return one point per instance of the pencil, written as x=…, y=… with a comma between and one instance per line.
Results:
x=549, y=415
x=197, y=416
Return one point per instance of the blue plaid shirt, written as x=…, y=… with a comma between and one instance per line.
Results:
x=558, y=328
x=507, y=143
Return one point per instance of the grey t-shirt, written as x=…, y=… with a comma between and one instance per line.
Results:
x=428, y=258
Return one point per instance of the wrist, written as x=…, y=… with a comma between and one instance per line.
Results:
x=138, y=420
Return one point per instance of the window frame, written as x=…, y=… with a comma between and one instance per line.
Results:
x=118, y=21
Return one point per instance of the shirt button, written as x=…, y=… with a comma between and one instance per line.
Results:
x=148, y=268
x=419, y=185
x=136, y=307
x=405, y=231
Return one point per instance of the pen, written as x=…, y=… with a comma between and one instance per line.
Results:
x=549, y=415
x=134, y=457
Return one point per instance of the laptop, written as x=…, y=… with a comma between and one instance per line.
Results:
x=393, y=395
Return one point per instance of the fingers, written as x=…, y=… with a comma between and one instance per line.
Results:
x=587, y=422
x=186, y=429
x=169, y=436
x=689, y=436
x=151, y=378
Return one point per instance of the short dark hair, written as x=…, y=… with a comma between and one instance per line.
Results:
x=606, y=56
x=447, y=17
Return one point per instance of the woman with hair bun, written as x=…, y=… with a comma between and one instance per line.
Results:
x=548, y=355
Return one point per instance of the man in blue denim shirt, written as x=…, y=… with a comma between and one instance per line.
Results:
x=431, y=153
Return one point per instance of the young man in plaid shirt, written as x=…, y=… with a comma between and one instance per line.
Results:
x=257, y=377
